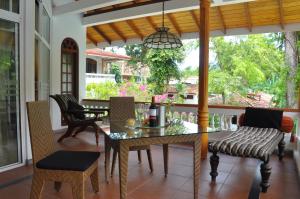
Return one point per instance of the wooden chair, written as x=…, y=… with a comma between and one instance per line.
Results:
x=73, y=167
x=73, y=122
x=121, y=109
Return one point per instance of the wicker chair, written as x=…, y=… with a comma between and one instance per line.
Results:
x=74, y=122
x=121, y=109
x=73, y=167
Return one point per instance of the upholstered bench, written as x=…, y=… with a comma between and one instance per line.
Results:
x=251, y=142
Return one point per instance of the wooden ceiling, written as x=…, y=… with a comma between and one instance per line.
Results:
x=243, y=15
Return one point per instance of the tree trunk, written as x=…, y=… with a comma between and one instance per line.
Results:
x=291, y=60
x=223, y=98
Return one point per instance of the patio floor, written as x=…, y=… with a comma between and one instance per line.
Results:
x=235, y=179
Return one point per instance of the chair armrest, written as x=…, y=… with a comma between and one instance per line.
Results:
x=86, y=111
x=97, y=109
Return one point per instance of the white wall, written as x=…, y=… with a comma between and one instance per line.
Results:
x=65, y=26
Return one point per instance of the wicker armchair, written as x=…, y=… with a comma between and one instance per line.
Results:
x=74, y=121
x=72, y=167
x=121, y=109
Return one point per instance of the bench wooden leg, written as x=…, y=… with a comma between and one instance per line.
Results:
x=281, y=147
x=57, y=186
x=214, y=162
x=265, y=170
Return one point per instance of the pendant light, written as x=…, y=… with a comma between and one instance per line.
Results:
x=162, y=38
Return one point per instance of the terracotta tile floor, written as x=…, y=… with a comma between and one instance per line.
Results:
x=235, y=178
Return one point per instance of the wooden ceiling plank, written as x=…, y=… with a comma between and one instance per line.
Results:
x=248, y=16
x=91, y=39
x=117, y=31
x=135, y=29
x=219, y=11
x=151, y=23
x=281, y=15
x=102, y=34
x=174, y=23
x=195, y=19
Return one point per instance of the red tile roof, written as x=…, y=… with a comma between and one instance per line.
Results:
x=106, y=54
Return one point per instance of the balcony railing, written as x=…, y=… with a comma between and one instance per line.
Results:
x=97, y=78
x=220, y=117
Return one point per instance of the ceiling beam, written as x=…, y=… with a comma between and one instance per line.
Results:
x=85, y=5
x=151, y=23
x=174, y=23
x=194, y=16
x=248, y=16
x=91, y=39
x=281, y=15
x=117, y=31
x=149, y=10
x=220, y=14
x=135, y=29
x=102, y=34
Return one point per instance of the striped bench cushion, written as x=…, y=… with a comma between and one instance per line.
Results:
x=249, y=142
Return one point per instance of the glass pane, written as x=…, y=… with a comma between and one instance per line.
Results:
x=69, y=78
x=64, y=68
x=69, y=87
x=64, y=78
x=44, y=72
x=9, y=93
x=10, y=5
x=15, y=6
x=46, y=25
x=69, y=68
x=4, y=4
x=64, y=87
x=37, y=16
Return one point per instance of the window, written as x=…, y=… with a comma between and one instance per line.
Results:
x=91, y=66
x=10, y=5
x=69, y=67
x=42, y=52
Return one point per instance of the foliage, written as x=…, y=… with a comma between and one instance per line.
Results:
x=102, y=91
x=246, y=64
x=163, y=65
x=138, y=56
x=138, y=90
x=190, y=72
x=115, y=69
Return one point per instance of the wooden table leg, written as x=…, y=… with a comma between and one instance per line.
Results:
x=107, y=158
x=123, y=169
x=197, y=156
x=166, y=158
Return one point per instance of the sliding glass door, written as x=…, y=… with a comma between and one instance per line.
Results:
x=9, y=93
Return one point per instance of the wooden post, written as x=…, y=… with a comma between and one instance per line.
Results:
x=203, y=75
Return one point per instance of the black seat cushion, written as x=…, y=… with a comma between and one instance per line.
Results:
x=263, y=118
x=68, y=160
x=74, y=106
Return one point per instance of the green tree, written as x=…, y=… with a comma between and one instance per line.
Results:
x=189, y=72
x=163, y=65
x=102, y=91
x=115, y=69
x=138, y=57
x=248, y=63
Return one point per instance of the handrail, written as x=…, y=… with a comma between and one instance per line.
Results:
x=209, y=106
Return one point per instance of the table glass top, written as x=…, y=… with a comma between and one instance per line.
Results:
x=119, y=131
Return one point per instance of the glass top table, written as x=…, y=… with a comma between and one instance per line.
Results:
x=121, y=138
x=119, y=131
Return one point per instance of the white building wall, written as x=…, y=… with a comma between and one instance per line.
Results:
x=65, y=26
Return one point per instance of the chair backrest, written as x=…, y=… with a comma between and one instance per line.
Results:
x=62, y=101
x=121, y=108
x=41, y=134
